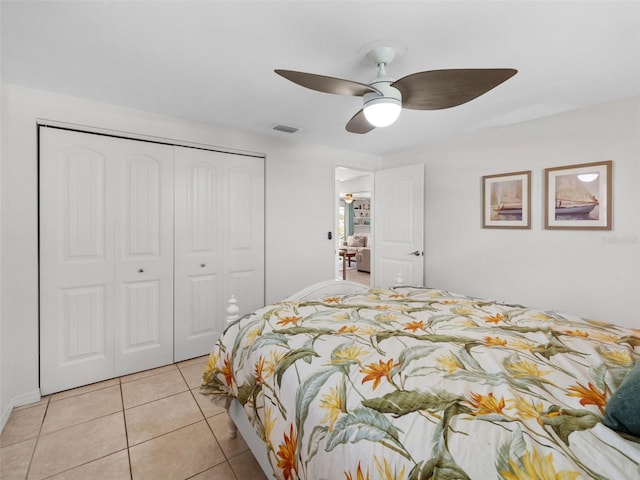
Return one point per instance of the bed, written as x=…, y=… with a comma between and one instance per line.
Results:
x=341, y=382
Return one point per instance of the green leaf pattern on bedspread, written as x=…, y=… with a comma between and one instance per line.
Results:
x=422, y=383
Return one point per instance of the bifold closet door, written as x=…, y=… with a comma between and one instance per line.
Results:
x=106, y=257
x=143, y=257
x=219, y=243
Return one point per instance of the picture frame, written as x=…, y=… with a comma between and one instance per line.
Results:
x=506, y=200
x=578, y=197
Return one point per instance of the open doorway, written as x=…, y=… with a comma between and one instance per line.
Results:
x=354, y=259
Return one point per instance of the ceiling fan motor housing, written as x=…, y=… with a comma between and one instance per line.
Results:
x=382, y=108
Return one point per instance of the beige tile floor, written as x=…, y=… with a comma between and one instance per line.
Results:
x=149, y=425
x=359, y=277
x=354, y=275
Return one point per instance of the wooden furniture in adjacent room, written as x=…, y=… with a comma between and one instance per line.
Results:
x=346, y=257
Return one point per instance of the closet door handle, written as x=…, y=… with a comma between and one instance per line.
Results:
x=141, y=270
x=203, y=265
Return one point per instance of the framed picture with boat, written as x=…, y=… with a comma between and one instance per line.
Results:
x=506, y=200
x=578, y=196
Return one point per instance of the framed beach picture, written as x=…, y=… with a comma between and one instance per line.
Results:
x=578, y=196
x=506, y=200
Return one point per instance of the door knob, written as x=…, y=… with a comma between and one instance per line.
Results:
x=141, y=270
x=416, y=253
x=203, y=265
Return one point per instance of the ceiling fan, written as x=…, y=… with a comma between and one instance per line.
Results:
x=384, y=97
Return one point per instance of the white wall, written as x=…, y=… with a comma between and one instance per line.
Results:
x=363, y=183
x=4, y=361
x=299, y=211
x=594, y=274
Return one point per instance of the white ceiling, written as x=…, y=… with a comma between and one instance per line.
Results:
x=213, y=61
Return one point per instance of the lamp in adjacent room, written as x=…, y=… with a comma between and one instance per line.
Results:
x=587, y=177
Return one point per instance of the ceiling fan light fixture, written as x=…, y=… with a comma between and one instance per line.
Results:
x=382, y=110
x=382, y=97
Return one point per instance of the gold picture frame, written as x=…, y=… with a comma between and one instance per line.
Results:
x=578, y=197
x=506, y=200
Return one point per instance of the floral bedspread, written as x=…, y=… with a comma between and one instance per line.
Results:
x=422, y=383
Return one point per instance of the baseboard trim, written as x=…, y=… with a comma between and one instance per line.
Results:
x=18, y=401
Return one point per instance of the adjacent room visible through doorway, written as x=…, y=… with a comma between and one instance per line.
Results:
x=353, y=224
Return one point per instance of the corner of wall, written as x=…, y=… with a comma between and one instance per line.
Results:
x=4, y=404
x=18, y=400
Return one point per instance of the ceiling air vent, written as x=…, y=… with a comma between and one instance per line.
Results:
x=285, y=128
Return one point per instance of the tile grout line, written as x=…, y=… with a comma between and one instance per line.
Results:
x=54, y=400
x=144, y=377
x=126, y=431
x=204, y=417
x=168, y=432
x=82, y=464
x=40, y=434
x=73, y=425
x=152, y=401
x=193, y=396
x=33, y=453
x=193, y=392
x=99, y=458
x=226, y=459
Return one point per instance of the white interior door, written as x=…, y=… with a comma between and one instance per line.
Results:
x=219, y=243
x=398, y=238
x=199, y=254
x=104, y=216
x=244, y=235
x=76, y=260
x=143, y=256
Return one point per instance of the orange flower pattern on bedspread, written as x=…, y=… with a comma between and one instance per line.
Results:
x=287, y=454
x=378, y=372
x=589, y=395
x=416, y=383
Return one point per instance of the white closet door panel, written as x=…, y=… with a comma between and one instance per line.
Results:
x=83, y=320
x=144, y=257
x=83, y=187
x=143, y=207
x=199, y=254
x=142, y=305
x=106, y=212
x=241, y=213
x=141, y=245
x=202, y=303
x=245, y=234
x=76, y=259
x=201, y=197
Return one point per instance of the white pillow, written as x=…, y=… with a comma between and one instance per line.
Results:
x=356, y=241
